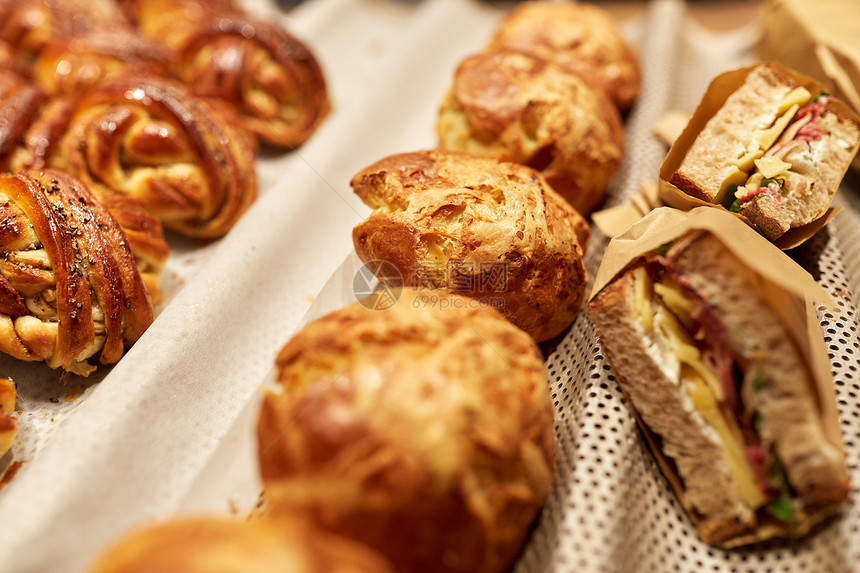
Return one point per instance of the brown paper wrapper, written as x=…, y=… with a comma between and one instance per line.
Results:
x=792, y=291
x=715, y=96
x=789, y=289
x=817, y=38
x=615, y=220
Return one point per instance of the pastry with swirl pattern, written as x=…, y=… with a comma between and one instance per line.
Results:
x=70, y=291
x=270, y=78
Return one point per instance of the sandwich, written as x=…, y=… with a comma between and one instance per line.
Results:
x=774, y=150
x=738, y=415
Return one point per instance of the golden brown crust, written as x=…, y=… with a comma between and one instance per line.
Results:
x=422, y=430
x=35, y=149
x=581, y=38
x=75, y=288
x=213, y=545
x=484, y=229
x=150, y=139
x=270, y=78
x=72, y=66
x=29, y=25
x=8, y=424
x=21, y=104
x=519, y=108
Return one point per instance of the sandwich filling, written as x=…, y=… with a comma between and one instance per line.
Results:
x=785, y=158
x=690, y=342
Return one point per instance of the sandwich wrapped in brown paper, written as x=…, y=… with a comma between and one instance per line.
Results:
x=713, y=99
x=789, y=291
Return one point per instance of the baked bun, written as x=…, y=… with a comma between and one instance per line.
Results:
x=423, y=430
x=71, y=294
x=515, y=107
x=725, y=395
x=484, y=229
x=581, y=38
x=213, y=545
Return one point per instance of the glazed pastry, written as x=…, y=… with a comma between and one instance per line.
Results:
x=22, y=102
x=29, y=25
x=32, y=130
x=270, y=78
x=8, y=424
x=151, y=139
x=578, y=37
x=478, y=227
x=72, y=66
x=423, y=430
x=9, y=59
x=212, y=545
x=70, y=292
x=515, y=107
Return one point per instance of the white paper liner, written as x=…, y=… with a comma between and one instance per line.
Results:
x=170, y=429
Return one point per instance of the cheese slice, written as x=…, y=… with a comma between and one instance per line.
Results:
x=745, y=163
x=733, y=449
x=642, y=297
x=771, y=166
x=768, y=136
x=701, y=384
x=798, y=96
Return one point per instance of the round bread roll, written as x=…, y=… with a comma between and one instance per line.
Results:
x=581, y=38
x=515, y=107
x=212, y=545
x=423, y=430
x=484, y=229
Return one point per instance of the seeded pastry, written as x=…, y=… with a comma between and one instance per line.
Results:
x=71, y=294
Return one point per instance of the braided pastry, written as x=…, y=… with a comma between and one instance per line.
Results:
x=70, y=292
x=150, y=139
x=22, y=102
x=29, y=131
x=271, y=79
x=75, y=65
x=8, y=424
x=9, y=59
x=30, y=25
